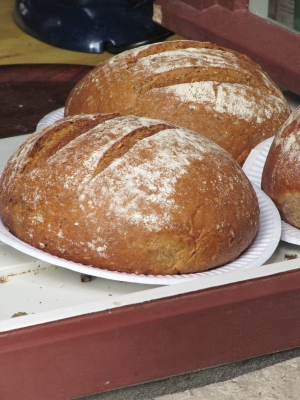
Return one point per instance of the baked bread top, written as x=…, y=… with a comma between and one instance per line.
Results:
x=280, y=177
x=217, y=92
x=129, y=194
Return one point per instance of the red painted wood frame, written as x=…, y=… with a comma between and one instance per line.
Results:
x=229, y=23
x=129, y=345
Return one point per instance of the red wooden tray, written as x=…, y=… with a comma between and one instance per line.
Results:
x=112, y=349
x=30, y=91
x=146, y=341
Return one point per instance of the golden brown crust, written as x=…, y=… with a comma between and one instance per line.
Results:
x=129, y=194
x=214, y=91
x=281, y=178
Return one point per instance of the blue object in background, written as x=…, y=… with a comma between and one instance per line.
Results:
x=90, y=26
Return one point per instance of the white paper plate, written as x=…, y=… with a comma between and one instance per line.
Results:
x=254, y=164
x=253, y=168
x=257, y=254
x=50, y=118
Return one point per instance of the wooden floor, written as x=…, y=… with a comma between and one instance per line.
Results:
x=16, y=47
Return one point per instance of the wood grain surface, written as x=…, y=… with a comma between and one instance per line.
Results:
x=30, y=91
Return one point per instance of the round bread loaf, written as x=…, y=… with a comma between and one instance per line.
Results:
x=216, y=92
x=280, y=177
x=129, y=194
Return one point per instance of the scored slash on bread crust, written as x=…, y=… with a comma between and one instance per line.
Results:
x=129, y=194
x=119, y=148
x=54, y=140
x=211, y=90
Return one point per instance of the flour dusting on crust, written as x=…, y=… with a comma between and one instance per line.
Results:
x=187, y=58
x=130, y=181
x=290, y=143
x=234, y=99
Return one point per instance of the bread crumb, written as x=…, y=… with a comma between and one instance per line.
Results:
x=19, y=314
x=290, y=256
x=86, y=278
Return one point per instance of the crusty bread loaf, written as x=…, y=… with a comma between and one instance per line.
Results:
x=281, y=177
x=129, y=194
x=217, y=92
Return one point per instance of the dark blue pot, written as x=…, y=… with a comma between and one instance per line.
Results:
x=90, y=25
